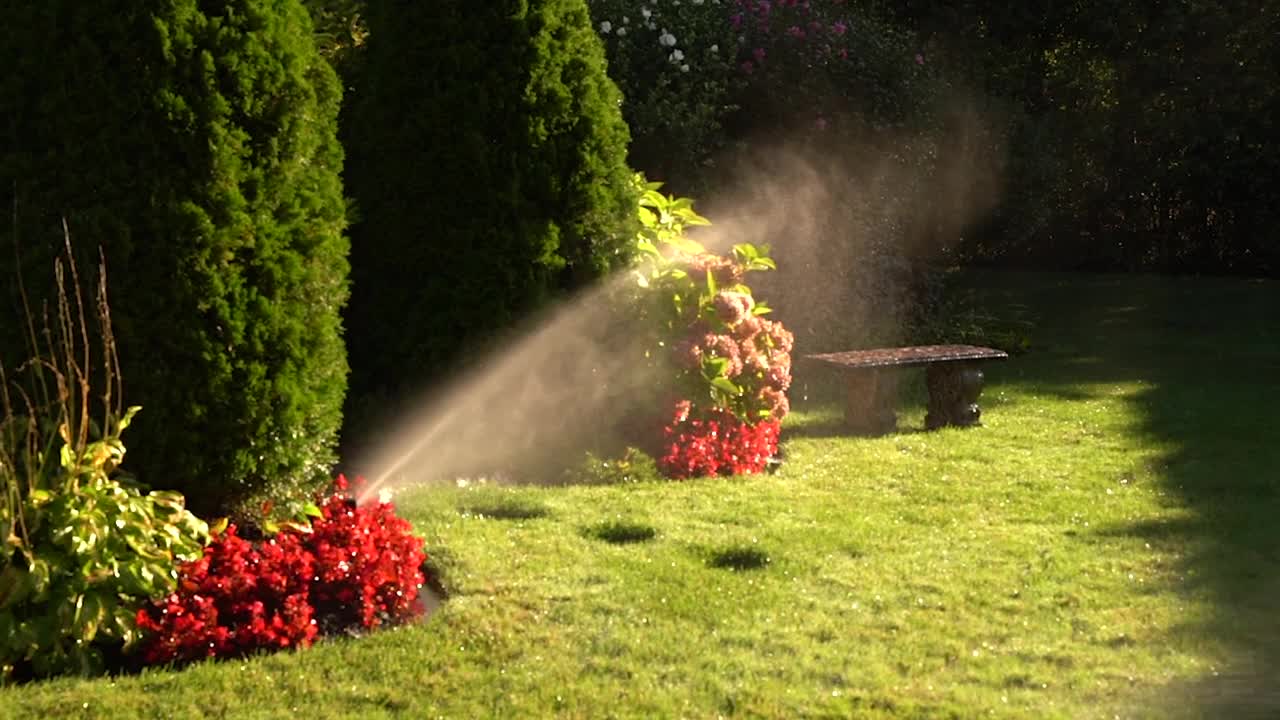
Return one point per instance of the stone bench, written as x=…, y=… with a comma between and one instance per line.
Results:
x=952, y=376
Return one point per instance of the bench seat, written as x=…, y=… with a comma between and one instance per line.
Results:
x=952, y=375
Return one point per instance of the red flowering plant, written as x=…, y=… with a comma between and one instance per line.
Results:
x=368, y=563
x=353, y=567
x=235, y=599
x=730, y=367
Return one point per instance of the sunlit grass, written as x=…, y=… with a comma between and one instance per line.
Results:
x=1089, y=552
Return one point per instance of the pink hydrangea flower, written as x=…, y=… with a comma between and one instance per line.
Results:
x=724, y=346
x=732, y=307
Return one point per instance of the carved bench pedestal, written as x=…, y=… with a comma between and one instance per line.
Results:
x=953, y=395
x=871, y=394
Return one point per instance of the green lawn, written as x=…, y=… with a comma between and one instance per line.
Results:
x=1108, y=544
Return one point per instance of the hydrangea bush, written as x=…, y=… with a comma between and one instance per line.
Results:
x=729, y=367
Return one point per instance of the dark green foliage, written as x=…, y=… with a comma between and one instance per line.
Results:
x=487, y=159
x=195, y=143
x=1141, y=134
x=340, y=32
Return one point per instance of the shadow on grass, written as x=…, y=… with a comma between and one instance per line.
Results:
x=1208, y=351
x=505, y=509
x=618, y=532
x=739, y=557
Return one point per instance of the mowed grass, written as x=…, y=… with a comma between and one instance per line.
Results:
x=1108, y=544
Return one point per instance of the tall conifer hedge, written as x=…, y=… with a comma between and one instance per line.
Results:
x=486, y=155
x=195, y=142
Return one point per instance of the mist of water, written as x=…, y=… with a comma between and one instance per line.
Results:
x=564, y=384
x=846, y=225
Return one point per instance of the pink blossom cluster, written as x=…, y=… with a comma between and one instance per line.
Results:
x=757, y=352
x=820, y=24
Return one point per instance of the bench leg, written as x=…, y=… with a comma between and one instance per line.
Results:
x=953, y=393
x=870, y=400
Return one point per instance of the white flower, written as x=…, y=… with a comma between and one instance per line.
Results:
x=626, y=20
x=622, y=32
x=676, y=56
x=715, y=48
x=684, y=68
x=384, y=496
x=697, y=2
x=644, y=12
x=605, y=27
x=667, y=38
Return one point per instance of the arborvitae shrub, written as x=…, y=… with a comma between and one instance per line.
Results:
x=486, y=155
x=196, y=144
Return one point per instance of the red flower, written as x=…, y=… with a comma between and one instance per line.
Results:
x=719, y=444
x=358, y=567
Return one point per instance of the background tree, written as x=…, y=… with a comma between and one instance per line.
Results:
x=1140, y=137
x=195, y=143
x=487, y=160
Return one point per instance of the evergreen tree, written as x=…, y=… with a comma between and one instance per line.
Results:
x=195, y=143
x=487, y=159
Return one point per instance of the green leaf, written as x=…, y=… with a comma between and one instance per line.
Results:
x=15, y=585
x=89, y=613
x=726, y=385
x=127, y=418
x=714, y=367
x=168, y=497
x=311, y=510
x=39, y=574
x=647, y=247
x=695, y=219
x=711, y=283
